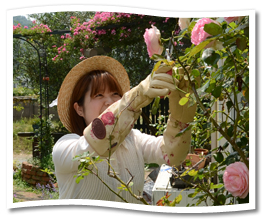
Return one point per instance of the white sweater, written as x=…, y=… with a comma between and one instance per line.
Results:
x=138, y=148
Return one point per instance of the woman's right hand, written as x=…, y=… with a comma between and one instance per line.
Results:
x=160, y=83
x=157, y=84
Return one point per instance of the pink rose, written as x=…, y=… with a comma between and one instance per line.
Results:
x=108, y=118
x=231, y=19
x=152, y=40
x=236, y=179
x=198, y=34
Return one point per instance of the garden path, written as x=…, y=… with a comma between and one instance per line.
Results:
x=19, y=158
x=23, y=196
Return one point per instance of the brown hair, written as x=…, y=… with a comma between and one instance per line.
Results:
x=96, y=81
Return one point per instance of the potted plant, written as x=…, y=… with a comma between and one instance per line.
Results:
x=201, y=151
x=194, y=160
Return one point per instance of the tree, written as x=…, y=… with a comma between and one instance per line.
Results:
x=122, y=33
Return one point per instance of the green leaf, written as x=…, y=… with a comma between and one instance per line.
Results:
x=204, y=87
x=229, y=41
x=155, y=105
x=231, y=158
x=213, y=166
x=211, y=86
x=213, y=29
x=241, y=43
x=229, y=104
x=230, y=131
x=217, y=91
x=245, y=200
x=210, y=57
x=191, y=26
x=218, y=157
x=192, y=195
x=216, y=186
x=244, y=141
x=176, y=200
x=221, y=198
x=225, y=145
x=195, y=73
x=246, y=31
x=183, y=101
x=79, y=178
x=157, y=57
x=199, y=47
x=157, y=65
x=193, y=172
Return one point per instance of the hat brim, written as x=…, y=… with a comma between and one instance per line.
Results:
x=103, y=63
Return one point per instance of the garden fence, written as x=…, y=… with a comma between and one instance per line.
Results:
x=147, y=120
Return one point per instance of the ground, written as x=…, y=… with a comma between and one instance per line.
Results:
x=20, y=193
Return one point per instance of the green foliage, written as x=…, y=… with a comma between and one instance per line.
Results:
x=127, y=45
x=45, y=143
x=160, y=125
x=224, y=79
x=23, y=91
x=22, y=144
x=18, y=107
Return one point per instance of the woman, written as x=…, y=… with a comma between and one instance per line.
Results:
x=96, y=104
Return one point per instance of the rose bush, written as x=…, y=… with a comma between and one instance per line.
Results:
x=219, y=56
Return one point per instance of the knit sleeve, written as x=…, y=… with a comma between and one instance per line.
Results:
x=66, y=149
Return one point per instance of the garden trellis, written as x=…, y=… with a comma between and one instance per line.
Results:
x=43, y=76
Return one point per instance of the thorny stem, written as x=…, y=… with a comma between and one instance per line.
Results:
x=109, y=165
x=198, y=186
x=220, y=130
x=231, y=119
x=116, y=121
x=235, y=96
x=96, y=174
x=127, y=186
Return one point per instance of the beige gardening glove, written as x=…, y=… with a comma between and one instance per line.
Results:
x=109, y=130
x=175, y=149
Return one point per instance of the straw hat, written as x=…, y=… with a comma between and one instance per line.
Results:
x=103, y=63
